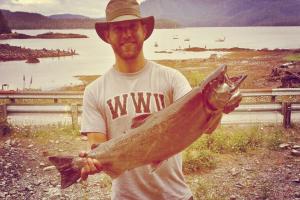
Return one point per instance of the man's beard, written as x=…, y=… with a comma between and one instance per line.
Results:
x=128, y=50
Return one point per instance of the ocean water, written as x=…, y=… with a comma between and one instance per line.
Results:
x=95, y=56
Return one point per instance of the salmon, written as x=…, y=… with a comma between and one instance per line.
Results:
x=163, y=134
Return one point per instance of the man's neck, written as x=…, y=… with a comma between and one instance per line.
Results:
x=130, y=65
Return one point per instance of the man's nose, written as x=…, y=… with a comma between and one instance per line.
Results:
x=127, y=32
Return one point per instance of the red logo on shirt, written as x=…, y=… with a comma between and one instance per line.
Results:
x=141, y=101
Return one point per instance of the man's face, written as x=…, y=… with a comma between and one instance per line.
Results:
x=126, y=38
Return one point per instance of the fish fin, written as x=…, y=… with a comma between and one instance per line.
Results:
x=112, y=175
x=155, y=165
x=213, y=123
x=69, y=174
x=139, y=120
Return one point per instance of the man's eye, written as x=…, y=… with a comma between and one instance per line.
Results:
x=133, y=26
x=117, y=29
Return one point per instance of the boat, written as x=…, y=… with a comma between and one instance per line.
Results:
x=220, y=39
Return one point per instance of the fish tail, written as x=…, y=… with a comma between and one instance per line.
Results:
x=69, y=173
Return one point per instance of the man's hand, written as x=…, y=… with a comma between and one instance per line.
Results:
x=91, y=166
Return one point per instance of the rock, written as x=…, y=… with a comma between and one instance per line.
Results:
x=296, y=180
x=84, y=138
x=30, y=146
x=249, y=169
x=2, y=194
x=284, y=146
x=295, y=152
x=53, y=183
x=289, y=166
x=45, y=153
x=2, y=183
x=232, y=197
x=28, y=188
x=296, y=146
x=234, y=172
x=297, y=195
x=54, y=193
x=42, y=164
x=239, y=185
x=49, y=168
x=36, y=182
x=12, y=192
x=32, y=60
x=7, y=143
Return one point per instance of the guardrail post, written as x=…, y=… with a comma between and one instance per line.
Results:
x=287, y=112
x=4, y=126
x=3, y=113
x=12, y=100
x=74, y=113
x=273, y=99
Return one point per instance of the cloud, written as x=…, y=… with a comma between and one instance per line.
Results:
x=33, y=2
x=90, y=8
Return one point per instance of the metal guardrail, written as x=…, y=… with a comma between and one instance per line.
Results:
x=285, y=109
x=63, y=108
x=270, y=92
x=12, y=95
x=74, y=110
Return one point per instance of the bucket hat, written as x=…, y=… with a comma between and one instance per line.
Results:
x=123, y=10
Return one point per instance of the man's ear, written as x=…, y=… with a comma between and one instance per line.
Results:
x=106, y=35
x=145, y=30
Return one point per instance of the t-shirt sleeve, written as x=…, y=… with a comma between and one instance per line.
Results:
x=92, y=119
x=180, y=85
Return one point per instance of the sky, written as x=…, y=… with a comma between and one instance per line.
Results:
x=89, y=8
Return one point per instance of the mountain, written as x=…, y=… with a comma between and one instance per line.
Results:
x=3, y=24
x=25, y=20
x=67, y=16
x=225, y=12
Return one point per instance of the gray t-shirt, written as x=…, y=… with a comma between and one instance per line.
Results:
x=109, y=105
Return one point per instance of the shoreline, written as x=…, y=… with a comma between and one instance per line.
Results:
x=265, y=68
x=257, y=64
x=47, y=35
x=14, y=53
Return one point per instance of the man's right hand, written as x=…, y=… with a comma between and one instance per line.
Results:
x=91, y=166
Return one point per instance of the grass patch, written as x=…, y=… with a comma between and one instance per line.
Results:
x=201, y=155
x=194, y=77
x=293, y=57
x=204, y=190
x=44, y=134
x=195, y=161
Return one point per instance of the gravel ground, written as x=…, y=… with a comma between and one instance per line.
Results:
x=25, y=173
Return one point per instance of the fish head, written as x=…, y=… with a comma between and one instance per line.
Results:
x=222, y=92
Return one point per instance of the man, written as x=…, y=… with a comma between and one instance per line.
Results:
x=133, y=87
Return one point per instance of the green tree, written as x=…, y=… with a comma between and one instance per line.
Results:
x=3, y=24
